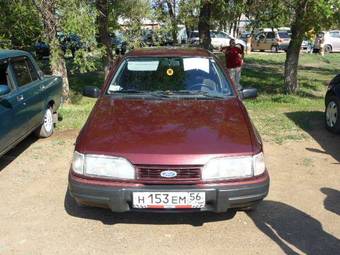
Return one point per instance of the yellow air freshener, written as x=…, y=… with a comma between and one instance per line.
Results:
x=169, y=72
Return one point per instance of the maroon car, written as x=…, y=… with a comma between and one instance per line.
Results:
x=169, y=132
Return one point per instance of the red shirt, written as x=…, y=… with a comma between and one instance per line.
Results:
x=233, y=58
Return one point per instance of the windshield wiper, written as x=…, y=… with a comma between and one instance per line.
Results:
x=126, y=91
x=197, y=93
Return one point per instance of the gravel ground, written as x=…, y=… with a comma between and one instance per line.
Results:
x=300, y=215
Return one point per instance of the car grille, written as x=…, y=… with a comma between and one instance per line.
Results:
x=151, y=173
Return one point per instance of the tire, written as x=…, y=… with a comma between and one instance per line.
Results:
x=274, y=49
x=328, y=48
x=332, y=114
x=46, y=129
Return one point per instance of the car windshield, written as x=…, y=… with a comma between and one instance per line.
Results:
x=190, y=76
x=283, y=34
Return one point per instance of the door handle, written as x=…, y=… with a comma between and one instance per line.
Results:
x=20, y=98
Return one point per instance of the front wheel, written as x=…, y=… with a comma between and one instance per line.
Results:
x=332, y=114
x=47, y=127
x=274, y=49
x=328, y=48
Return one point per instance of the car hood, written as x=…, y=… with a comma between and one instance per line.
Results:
x=166, y=132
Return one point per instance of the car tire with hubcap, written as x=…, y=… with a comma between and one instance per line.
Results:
x=328, y=48
x=47, y=127
x=332, y=114
x=274, y=49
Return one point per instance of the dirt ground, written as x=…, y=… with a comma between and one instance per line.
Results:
x=300, y=215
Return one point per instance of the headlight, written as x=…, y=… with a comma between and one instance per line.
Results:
x=234, y=167
x=102, y=166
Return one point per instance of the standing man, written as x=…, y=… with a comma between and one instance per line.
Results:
x=234, y=59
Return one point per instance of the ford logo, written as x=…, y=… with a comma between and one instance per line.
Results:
x=168, y=174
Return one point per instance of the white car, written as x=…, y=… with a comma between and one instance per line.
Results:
x=330, y=40
x=221, y=39
x=218, y=39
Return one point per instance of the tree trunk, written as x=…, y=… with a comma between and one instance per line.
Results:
x=174, y=30
x=204, y=24
x=104, y=38
x=293, y=52
x=57, y=60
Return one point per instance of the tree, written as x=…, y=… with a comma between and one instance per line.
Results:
x=204, y=23
x=103, y=29
x=19, y=22
x=47, y=9
x=306, y=15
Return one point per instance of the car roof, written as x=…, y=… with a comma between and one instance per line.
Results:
x=169, y=52
x=13, y=53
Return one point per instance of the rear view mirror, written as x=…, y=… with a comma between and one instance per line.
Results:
x=248, y=93
x=4, y=89
x=91, y=91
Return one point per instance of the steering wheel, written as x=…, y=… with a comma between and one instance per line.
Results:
x=200, y=85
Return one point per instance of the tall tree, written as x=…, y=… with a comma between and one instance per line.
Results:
x=104, y=36
x=204, y=23
x=47, y=9
x=306, y=15
x=171, y=4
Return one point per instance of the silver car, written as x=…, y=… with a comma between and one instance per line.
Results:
x=329, y=40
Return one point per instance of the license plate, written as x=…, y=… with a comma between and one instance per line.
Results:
x=160, y=200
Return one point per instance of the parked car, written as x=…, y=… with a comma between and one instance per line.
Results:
x=272, y=40
x=330, y=40
x=244, y=36
x=119, y=44
x=42, y=49
x=29, y=100
x=332, y=102
x=169, y=132
x=218, y=39
x=70, y=42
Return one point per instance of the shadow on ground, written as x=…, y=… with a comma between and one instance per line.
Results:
x=332, y=200
x=109, y=218
x=6, y=159
x=313, y=123
x=285, y=225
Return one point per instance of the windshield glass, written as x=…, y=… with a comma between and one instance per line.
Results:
x=193, y=75
x=283, y=35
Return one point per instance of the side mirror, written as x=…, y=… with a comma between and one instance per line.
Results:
x=91, y=91
x=248, y=93
x=4, y=89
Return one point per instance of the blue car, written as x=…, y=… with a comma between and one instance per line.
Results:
x=29, y=100
x=332, y=101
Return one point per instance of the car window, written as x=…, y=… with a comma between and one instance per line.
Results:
x=33, y=72
x=222, y=35
x=170, y=74
x=4, y=77
x=22, y=72
x=334, y=34
x=260, y=36
x=283, y=34
x=270, y=35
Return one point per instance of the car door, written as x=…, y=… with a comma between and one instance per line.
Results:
x=261, y=41
x=336, y=40
x=214, y=40
x=29, y=92
x=270, y=40
x=8, y=105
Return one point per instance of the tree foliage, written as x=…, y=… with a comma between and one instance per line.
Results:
x=19, y=22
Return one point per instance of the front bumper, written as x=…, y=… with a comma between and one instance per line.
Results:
x=219, y=197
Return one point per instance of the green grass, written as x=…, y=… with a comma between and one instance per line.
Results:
x=277, y=116
x=281, y=117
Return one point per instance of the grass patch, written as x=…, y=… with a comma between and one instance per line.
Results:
x=277, y=116
x=281, y=117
